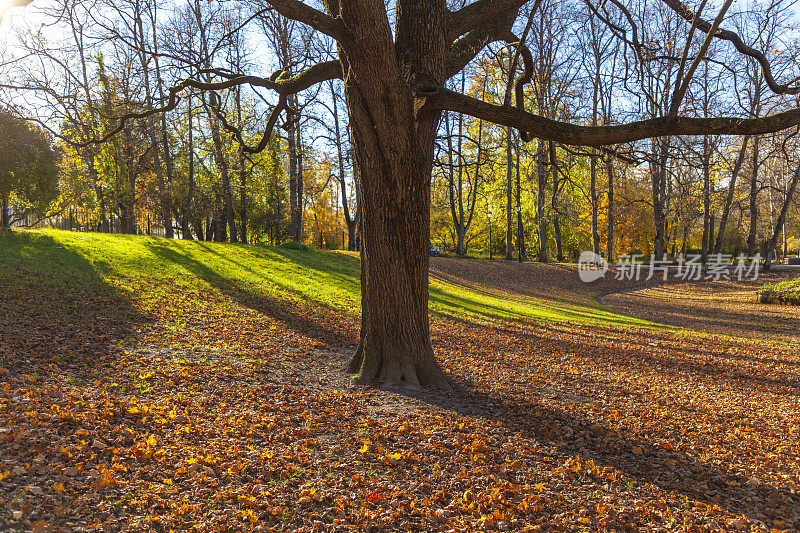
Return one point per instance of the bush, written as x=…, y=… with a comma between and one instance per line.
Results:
x=294, y=245
x=784, y=292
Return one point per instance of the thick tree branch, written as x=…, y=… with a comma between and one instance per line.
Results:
x=297, y=10
x=467, y=47
x=477, y=14
x=732, y=37
x=577, y=135
x=282, y=85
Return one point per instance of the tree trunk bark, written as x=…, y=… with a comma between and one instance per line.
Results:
x=706, y=244
x=659, y=179
x=221, y=162
x=4, y=216
x=521, y=253
x=781, y=222
x=242, y=197
x=394, y=142
x=350, y=222
x=295, y=194
x=593, y=201
x=187, y=201
x=723, y=221
x=198, y=229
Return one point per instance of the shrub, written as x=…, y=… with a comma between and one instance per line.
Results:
x=294, y=245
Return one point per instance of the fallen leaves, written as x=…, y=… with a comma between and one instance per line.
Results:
x=226, y=411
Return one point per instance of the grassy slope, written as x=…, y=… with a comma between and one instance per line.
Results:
x=327, y=279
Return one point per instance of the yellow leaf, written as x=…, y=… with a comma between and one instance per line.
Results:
x=151, y=440
x=58, y=487
x=364, y=448
x=539, y=486
x=638, y=450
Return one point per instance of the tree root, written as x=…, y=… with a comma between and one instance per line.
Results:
x=398, y=369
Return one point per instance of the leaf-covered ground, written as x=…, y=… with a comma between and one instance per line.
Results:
x=729, y=307
x=147, y=384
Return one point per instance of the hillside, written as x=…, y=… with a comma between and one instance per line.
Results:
x=153, y=384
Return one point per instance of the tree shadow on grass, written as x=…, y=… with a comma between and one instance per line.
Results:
x=472, y=303
x=303, y=321
x=57, y=313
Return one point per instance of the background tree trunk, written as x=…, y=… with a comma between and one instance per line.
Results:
x=610, y=236
x=509, y=196
x=752, y=237
x=726, y=209
x=541, y=218
x=522, y=255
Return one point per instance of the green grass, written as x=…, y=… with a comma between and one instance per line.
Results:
x=326, y=279
x=786, y=290
x=792, y=284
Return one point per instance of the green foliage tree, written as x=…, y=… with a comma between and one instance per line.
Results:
x=28, y=167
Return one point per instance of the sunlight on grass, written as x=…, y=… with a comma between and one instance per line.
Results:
x=788, y=285
x=327, y=279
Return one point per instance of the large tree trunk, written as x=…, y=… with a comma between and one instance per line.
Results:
x=395, y=339
x=394, y=142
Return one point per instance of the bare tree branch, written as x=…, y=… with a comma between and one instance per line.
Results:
x=283, y=86
x=732, y=37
